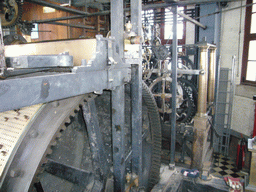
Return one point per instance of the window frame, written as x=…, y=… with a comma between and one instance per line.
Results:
x=248, y=36
x=180, y=41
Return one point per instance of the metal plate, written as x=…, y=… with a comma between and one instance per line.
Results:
x=39, y=61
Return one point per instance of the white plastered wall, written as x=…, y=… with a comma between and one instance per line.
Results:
x=232, y=37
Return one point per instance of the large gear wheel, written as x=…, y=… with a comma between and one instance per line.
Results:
x=10, y=13
x=50, y=133
x=161, y=88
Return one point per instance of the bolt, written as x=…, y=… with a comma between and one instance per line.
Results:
x=15, y=173
x=55, y=104
x=202, y=72
x=6, y=119
x=34, y=133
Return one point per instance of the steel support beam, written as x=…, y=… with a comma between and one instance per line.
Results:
x=69, y=173
x=97, y=147
x=136, y=98
x=136, y=94
x=174, y=84
x=118, y=96
x=118, y=136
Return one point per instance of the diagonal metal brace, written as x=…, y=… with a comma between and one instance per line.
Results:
x=95, y=138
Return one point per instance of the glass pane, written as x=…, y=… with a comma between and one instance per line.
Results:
x=253, y=23
x=252, y=50
x=251, y=71
x=254, y=6
x=168, y=34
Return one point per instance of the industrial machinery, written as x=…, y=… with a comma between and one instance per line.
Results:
x=78, y=120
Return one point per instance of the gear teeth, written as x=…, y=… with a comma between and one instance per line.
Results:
x=72, y=114
x=54, y=143
x=68, y=120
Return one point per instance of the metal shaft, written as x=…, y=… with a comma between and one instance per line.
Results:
x=174, y=84
x=74, y=25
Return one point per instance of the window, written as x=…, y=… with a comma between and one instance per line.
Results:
x=249, y=57
x=168, y=31
x=34, y=32
x=148, y=22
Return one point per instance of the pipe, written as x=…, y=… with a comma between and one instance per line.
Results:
x=212, y=73
x=192, y=20
x=74, y=25
x=57, y=19
x=174, y=85
x=203, y=79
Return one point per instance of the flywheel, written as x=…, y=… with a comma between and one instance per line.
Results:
x=56, y=132
x=10, y=13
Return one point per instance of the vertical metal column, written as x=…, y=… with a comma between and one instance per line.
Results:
x=2, y=56
x=174, y=85
x=136, y=94
x=118, y=136
x=212, y=74
x=118, y=100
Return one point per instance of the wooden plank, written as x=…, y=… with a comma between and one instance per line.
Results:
x=79, y=49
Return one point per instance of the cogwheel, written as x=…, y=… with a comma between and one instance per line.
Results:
x=11, y=14
x=44, y=139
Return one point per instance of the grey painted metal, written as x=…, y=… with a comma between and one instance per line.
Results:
x=188, y=72
x=136, y=98
x=118, y=137
x=192, y=20
x=2, y=56
x=115, y=52
x=31, y=149
x=224, y=102
x=78, y=176
x=117, y=28
x=136, y=94
x=95, y=139
x=94, y=76
x=38, y=61
x=174, y=84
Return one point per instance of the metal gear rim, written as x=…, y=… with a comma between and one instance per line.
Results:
x=16, y=19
